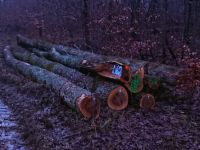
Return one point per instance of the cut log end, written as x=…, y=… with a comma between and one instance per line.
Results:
x=89, y=106
x=147, y=101
x=118, y=98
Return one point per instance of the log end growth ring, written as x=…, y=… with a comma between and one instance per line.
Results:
x=89, y=106
x=118, y=98
x=147, y=101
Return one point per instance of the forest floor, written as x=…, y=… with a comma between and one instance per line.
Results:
x=9, y=137
x=45, y=122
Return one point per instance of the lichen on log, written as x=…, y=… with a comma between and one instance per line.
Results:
x=72, y=75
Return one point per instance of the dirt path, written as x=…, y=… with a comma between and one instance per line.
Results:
x=9, y=138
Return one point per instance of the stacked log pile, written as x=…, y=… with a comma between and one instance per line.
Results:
x=45, y=71
x=63, y=69
x=168, y=74
x=164, y=74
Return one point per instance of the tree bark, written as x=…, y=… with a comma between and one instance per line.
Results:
x=73, y=95
x=103, y=89
x=72, y=75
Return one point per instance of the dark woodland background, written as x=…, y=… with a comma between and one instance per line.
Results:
x=166, y=31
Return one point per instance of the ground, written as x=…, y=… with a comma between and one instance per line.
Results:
x=43, y=121
x=9, y=138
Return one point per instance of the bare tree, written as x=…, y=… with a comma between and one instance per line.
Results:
x=135, y=9
x=85, y=23
x=187, y=19
x=164, y=35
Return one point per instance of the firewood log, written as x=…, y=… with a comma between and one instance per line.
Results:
x=106, y=90
x=76, y=97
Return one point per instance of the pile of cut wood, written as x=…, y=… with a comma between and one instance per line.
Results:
x=85, y=79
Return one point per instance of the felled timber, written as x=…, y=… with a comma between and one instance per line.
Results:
x=74, y=62
x=165, y=73
x=76, y=97
x=156, y=74
x=117, y=98
x=26, y=42
x=135, y=85
x=115, y=94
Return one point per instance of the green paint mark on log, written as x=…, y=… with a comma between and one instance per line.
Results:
x=135, y=83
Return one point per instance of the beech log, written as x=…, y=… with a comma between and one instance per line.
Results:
x=116, y=95
x=75, y=96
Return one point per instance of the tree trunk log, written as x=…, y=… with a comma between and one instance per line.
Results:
x=117, y=96
x=75, y=96
x=105, y=90
x=167, y=74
